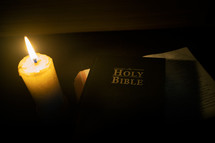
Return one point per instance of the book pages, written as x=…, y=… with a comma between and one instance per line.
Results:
x=185, y=76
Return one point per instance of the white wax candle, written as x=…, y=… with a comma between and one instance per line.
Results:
x=40, y=77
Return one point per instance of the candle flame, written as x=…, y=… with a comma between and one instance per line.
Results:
x=31, y=51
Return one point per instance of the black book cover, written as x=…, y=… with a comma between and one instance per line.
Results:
x=122, y=95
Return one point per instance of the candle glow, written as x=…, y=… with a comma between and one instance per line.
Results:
x=39, y=75
x=31, y=51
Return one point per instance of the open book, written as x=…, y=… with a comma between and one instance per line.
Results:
x=189, y=89
x=190, y=79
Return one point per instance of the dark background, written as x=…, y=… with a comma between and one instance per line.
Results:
x=21, y=17
x=73, y=33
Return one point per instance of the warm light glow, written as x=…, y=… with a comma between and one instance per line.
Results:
x=31, y=51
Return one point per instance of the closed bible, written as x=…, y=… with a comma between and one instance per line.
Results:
x=121, y=95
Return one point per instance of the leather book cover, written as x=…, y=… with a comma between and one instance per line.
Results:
x=122, y=94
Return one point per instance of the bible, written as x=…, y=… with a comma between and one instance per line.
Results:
x=121, y=94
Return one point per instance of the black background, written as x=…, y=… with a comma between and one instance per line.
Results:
x=74, y=43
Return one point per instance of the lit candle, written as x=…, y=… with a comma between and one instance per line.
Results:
x=38, y=72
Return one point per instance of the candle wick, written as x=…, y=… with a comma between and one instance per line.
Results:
x=35, y=61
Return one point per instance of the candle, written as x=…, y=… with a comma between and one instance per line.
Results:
x=39, y=75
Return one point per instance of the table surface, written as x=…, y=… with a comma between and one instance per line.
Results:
x=76, y=51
